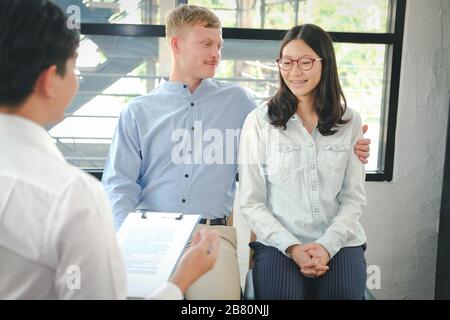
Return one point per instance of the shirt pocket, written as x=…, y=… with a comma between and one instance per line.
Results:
x=285, y=158
x=336, y=157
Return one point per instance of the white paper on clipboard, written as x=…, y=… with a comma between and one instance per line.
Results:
x=151, y=244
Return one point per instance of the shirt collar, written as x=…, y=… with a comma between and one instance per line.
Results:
x=182, y=88
x=29, y=133
x=297, y=119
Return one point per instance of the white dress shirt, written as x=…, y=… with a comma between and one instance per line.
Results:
x=57, y=239
x=297, y=187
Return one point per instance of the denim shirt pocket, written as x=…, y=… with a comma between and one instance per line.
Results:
x=336, y=156
x=285, y=158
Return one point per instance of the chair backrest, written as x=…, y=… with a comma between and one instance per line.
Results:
x=249, y=291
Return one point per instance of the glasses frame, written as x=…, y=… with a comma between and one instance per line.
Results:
x=297, y=62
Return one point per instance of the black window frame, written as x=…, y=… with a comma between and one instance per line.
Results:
x=393, y=39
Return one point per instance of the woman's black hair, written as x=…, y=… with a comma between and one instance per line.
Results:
x=330, y=103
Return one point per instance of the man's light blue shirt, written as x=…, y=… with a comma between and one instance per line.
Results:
x=176, y=151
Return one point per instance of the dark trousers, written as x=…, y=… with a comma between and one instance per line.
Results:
x=277, y=277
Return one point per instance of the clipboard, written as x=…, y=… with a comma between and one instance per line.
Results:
x=151, y=244
x=174, y=216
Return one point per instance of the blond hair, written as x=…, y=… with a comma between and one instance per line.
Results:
x=190, y=15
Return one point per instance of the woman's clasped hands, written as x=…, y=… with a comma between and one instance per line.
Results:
x=312, y=258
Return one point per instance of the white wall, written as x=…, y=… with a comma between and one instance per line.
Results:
x=401, y=218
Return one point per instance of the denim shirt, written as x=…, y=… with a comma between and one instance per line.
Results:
x=297, y=187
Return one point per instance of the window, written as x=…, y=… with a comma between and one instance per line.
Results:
x=125, y=55
x=331, y=15
x=114, y=11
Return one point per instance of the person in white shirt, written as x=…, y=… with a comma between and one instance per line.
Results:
x=301, y=186
x=55, y=221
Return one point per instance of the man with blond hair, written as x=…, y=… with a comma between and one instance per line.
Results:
x=175, y=149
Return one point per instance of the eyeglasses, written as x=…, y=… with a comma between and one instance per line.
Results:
x=304, y=63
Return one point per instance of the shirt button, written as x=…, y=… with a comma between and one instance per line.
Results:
x=314, y=188
x=313, y=167
x=311, y=145
x=192, y=104
x=183, y=200
x=185, y=86
x=316, y=210
x=186, y=175
x=192, y=128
